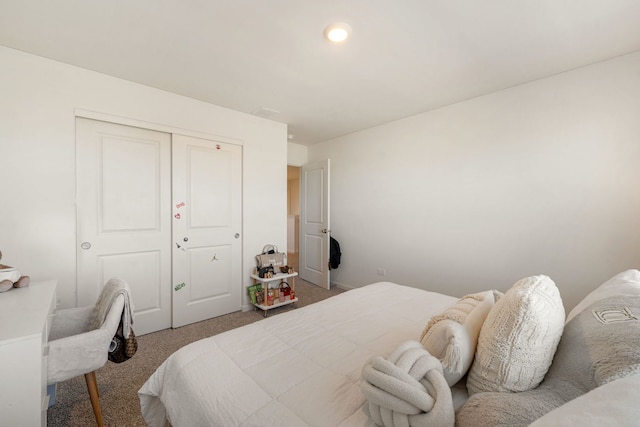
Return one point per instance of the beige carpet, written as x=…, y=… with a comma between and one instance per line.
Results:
x=119, y=383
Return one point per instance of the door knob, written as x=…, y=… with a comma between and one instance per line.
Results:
x=85, y=245
x=186, y=239
x=237, y=235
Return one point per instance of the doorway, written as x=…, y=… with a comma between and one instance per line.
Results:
x=293, y=217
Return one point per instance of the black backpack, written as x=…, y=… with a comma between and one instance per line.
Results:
x=335, y=254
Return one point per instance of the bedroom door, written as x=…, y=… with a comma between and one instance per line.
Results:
x=315, y=223
x=123, y=187
x=207, y=217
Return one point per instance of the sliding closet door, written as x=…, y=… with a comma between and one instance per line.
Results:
x=207, y=218
x=123, y=216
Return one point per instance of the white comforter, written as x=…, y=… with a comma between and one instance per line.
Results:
x=300, y=368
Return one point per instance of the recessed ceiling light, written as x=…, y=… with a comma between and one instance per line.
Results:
x=337, y=33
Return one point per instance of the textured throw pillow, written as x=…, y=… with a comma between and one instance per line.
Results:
x=519, y=338
x=452, y=335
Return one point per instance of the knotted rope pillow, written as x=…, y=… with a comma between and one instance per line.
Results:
x=407, y=388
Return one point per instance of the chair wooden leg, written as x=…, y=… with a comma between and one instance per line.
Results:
x=92, y=387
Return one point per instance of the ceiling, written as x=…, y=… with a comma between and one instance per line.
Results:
x=269, y=58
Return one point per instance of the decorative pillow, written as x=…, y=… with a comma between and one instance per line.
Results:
x=615, y=403
x=519, y=338
x=625, y=283
x=452, y=335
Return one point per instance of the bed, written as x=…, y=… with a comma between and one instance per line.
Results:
x=344, y=362
x=299, y=368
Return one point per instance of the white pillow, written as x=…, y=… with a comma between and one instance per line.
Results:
x=519, y=338
x=625, y=283
x=452, y=335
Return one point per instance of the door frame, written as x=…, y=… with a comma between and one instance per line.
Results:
x=119, y=120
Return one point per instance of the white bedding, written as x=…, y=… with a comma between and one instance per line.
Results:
x=300, y=368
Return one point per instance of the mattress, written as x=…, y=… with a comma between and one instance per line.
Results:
x=299, y=368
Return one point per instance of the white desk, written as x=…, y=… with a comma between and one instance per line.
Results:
x=25, y=319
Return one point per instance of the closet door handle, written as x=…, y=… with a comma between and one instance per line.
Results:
x=85, y=245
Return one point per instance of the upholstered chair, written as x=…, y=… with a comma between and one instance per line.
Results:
x=75, y=348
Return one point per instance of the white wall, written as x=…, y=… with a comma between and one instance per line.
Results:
x=296, y=154
x=37, y=160
x=541, y=178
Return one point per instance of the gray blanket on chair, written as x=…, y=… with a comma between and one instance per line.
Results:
x=111, y=290
x=599, y=345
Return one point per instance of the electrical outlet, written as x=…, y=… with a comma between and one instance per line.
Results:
x=382, y=272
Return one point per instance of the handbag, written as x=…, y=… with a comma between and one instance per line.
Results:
x=271, y=256
x=285, y=289
x=121, y=348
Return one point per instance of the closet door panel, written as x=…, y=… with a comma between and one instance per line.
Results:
x=123, y=216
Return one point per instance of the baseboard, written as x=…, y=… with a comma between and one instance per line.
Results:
x=342, y=286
